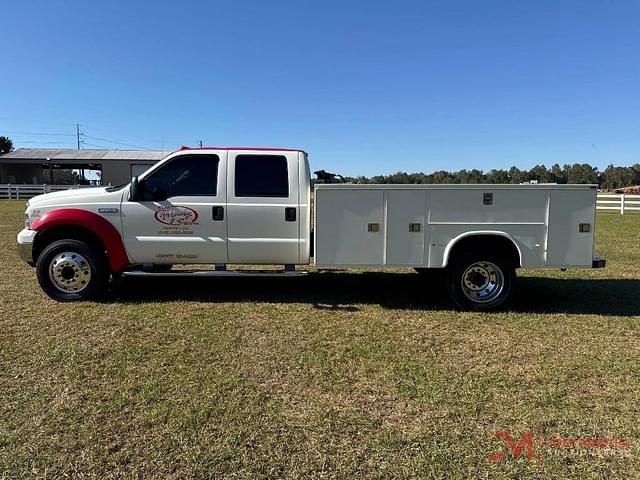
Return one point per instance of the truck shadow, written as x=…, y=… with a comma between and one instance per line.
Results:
x=344, y=291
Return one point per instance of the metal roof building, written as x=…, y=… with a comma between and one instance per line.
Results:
x=36, y=165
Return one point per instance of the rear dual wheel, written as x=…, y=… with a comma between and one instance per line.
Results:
x=480, y=281
x=70, y=270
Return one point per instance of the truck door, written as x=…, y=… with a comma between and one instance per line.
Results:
x=263, y=206
x=182, y=216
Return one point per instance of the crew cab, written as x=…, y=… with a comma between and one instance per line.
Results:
x=248, y=206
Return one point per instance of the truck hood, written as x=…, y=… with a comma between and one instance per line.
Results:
x=72, y=195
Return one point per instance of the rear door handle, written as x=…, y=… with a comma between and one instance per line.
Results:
x=218, y=214
x=290, y=214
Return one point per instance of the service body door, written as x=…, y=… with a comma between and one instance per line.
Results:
x=571, y=224
x=370, y=225
x=263, y=207
x=349, y=225
x=405, y=211
x=190, y=225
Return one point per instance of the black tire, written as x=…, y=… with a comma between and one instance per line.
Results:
x=480, y=281
x=62, y=271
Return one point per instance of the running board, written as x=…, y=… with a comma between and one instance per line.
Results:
x=216, y=273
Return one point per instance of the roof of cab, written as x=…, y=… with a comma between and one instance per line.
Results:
x=266, y=149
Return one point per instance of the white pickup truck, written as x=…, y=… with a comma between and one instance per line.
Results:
x=222, y=206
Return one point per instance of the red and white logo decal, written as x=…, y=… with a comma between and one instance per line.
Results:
x=176, y=215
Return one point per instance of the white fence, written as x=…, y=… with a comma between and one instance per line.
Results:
x=620, y=202
x=25, y=191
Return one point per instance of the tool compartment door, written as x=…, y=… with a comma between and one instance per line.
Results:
x=405, y=212
x=567, y=245
x=349, y=227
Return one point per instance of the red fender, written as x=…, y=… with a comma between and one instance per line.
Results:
x=112, y=240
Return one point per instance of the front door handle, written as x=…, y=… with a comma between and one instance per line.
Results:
x=218, y=214
x=290, y=214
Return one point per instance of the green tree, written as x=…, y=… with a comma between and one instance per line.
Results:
x=6, y=145
x=442, y=176
x=582, y=173
x=541, y=174
x=636, y=174
x=516, y=175
x=498, y=176
x=617, y=177
x=558, y=175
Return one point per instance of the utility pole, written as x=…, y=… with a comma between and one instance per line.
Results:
x=200, y=143
x=78, y=133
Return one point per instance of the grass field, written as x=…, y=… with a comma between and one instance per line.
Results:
x=337, y=375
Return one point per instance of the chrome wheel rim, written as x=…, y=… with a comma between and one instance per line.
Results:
x=69, y=272
x=482, y=282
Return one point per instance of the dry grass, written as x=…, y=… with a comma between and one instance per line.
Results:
x=332, y=376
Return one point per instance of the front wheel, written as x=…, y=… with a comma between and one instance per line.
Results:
x=480, y=281
x=72, y=270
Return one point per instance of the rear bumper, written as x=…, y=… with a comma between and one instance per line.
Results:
x=25, y=245
x=598, y=262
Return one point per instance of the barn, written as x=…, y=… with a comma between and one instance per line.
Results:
x=107, y=167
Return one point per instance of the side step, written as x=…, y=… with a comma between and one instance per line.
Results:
x=598, y=262
x=217, y=273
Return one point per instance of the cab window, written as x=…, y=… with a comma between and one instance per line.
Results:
x=186, y=175
x=261, y=176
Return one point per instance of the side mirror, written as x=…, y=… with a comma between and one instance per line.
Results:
x=135, y=191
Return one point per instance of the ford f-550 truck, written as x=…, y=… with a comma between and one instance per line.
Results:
x=222, y=206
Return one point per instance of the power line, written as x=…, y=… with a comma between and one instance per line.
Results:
x=135, y=138
x=79, y=136
x=116, y=142
x=39, y=133
x=44, y=143
x=94, y=145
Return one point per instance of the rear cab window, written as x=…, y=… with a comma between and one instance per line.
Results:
x=261, y=176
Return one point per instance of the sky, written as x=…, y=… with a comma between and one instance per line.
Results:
x=366, y=87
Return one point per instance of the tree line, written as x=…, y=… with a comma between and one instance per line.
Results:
x=611, y=178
